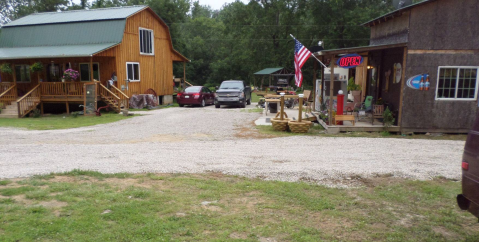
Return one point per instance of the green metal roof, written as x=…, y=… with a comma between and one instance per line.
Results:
x=53, y=51
x=63, y=34
x=76, y=16
x=268, y=71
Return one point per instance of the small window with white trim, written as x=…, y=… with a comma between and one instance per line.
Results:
x=133, y=71
x=457, y=83
x=22, y=73
x=146, y=41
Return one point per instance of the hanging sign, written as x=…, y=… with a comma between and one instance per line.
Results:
x=419, y=82
x=397, y=73
x=350, y=61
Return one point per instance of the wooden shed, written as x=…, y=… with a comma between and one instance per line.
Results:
x=131, y=45
x=423, y=61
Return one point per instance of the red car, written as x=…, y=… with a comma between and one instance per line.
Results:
x=195, y=95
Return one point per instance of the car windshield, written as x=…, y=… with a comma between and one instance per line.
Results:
x=231, y=85
x=193, y=89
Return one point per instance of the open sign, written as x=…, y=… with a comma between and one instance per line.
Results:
x=350, y=61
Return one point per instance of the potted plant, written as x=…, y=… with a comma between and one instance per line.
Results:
x=355, y=90
x=37, y=68
x=70, y=75
x=6, y=68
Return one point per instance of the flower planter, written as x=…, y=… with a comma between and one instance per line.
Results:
x=299, y=127
x=280, y=125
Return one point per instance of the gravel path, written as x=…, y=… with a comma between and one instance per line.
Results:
x=193, y=140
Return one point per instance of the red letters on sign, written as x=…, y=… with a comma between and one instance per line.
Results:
x=349, y=61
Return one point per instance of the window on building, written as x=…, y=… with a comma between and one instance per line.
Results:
x=133, y=71
x=85, y=72
x=22, y=73
x=146, y=42
x=457, y=83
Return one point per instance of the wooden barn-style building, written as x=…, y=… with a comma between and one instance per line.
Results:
x=131, y=45
x=423, y=62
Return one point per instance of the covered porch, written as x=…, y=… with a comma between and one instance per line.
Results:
x=25, y=88
x=370, y=87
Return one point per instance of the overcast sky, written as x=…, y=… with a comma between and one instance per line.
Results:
x=214, y=4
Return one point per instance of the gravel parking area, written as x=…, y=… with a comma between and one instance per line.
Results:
x=194, y=140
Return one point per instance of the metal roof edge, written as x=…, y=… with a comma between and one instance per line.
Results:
x=397, y=11
x=107, y=48
x=70, y=22
x=359, y=49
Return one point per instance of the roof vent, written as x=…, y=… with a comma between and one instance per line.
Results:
x=401, y=3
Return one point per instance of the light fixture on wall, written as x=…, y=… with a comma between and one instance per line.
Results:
x=370, y=67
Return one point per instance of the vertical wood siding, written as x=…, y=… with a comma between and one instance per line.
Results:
x=156, y=72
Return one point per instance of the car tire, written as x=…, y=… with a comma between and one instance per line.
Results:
x=181, y=105
x=243, y=105
x=217, y=106
x=203, y=103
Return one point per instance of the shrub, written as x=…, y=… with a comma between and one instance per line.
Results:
x=37, y=113
x=388, y=118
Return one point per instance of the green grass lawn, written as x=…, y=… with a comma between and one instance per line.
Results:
x=89, y=206
x=60, y=121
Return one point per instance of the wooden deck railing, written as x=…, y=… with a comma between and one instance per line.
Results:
x=124, y=99
x=62, y=89
x=29, y=101
x=8, y=94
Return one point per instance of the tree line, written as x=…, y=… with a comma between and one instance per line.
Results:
x=239, y=39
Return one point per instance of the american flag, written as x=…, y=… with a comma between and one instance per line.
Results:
x=301, y=55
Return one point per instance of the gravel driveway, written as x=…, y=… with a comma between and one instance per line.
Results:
x=193, y=140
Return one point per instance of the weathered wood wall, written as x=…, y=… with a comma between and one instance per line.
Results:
x=441, y=33
x=394, y=31
x=445, y=24
x=156, y=71
x=420, y=109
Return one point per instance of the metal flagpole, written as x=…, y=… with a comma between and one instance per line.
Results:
x=311, y=54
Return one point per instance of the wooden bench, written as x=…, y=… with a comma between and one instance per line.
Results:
x=345, y=118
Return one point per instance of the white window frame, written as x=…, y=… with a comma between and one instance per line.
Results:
x=139, y=77
x=29, y=74
x=89, y=71
x=457, y=83
x=152, y=41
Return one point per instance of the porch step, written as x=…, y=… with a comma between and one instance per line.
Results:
x=3, y=115
x=10, y=111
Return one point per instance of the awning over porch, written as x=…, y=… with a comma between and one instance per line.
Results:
x=53, y=51
x=358, y=49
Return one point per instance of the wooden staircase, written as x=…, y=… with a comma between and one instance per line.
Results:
x=116, y=99
x=112, y=102
x=10, y=111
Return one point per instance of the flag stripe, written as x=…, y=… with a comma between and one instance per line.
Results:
x=301, y=55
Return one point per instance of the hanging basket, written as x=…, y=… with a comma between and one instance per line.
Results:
x=299, y=127
x=280, y=125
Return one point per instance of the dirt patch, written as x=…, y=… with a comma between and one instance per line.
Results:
x=236, y=235
x=124, y=183
x=265, y=239
x=53, y=204
x=64, y=179
x=247, y=131
x=211, y=208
